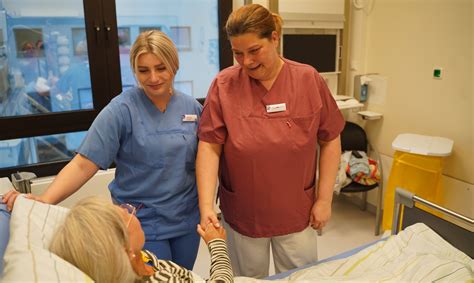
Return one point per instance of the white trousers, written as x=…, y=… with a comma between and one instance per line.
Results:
x=251, y=256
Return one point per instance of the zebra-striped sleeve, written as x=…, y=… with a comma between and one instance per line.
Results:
x=166, y=271
x=221, y=270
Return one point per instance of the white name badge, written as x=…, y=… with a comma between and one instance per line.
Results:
x=190, y=118
x=276, y=107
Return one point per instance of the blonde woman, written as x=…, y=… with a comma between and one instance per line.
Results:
x=115, y=252
x=149, y=132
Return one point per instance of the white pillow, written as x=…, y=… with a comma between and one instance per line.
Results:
x=27, y=258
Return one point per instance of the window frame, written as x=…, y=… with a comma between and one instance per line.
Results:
x=103, y=50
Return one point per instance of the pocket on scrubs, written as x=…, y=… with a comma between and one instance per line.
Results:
x=309, y=193
x=307, y=199
x=164, y=148
x=191, y=150
x=305, y=123
x=305, y=130
x=177, y=217
x=228, y=199
x=147, y=216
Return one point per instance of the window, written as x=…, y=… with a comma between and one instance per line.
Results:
x=29, y=42
x=142, y=29
x=124, y=40
x=185, y=87
x=79, y=62
x=182, y=37
x=79, y=41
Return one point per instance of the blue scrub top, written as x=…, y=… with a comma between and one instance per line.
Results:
x=155, y=156
x=4, y=232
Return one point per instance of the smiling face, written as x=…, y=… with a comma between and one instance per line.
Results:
x=153, y=76
x=257, y=56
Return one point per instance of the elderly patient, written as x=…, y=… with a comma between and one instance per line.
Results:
x=105, y=241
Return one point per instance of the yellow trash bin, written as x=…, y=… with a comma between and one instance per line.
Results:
x=417, y=167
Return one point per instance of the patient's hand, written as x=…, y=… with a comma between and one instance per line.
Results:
x=9, y=199
x=211, y=232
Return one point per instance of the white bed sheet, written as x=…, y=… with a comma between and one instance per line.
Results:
x=416, y=254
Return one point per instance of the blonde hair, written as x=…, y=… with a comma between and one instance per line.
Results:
x=159, y=44
x=94, y=239
x=253, y=18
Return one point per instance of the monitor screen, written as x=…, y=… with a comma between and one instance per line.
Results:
x=317, y=50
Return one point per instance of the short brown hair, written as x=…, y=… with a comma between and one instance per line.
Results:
x=253, y=18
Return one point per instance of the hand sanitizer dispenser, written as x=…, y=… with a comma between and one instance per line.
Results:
x=361, y=86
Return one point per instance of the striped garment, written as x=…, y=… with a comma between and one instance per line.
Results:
x=168, y=271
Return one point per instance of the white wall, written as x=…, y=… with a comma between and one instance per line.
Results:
x=311, y=6
x=404, y=40
x=302, y=6
x=405, y=43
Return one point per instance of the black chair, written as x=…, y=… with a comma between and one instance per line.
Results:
x=201, y=100
x=353, y=137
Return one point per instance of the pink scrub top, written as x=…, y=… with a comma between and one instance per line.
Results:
x=268, y=162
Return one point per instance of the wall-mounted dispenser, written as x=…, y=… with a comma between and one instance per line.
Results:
x=361, y=87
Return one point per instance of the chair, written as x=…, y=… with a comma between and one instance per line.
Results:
x=201, y=100
x=353, y=137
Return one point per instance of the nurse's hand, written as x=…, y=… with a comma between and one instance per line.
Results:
x=320, y=214
x=209, y=216
x=209, y=232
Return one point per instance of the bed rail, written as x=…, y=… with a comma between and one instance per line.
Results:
x=458, y=235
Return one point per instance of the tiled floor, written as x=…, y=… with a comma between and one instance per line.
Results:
x=349, y=228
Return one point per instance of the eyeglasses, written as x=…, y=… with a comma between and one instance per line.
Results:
x=132, y=210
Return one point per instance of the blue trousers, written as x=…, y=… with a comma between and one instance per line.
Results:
x=181, y=250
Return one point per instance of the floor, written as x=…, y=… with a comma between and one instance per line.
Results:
x=349, y=228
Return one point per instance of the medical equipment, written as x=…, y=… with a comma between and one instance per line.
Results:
x=22, y=181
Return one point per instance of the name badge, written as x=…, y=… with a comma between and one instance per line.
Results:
x=190, y=118
x=276, y=107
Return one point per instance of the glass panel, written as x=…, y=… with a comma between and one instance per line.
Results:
x=196, y=38
x=43, y=58
x=182, y=37
x=26, y=151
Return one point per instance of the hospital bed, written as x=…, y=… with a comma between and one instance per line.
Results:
x=417, y=253
x=424, y=247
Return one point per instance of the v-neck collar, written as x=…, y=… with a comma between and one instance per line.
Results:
x=152, y=107
x=264, y=90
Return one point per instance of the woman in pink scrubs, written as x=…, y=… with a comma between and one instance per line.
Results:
x=261, y=125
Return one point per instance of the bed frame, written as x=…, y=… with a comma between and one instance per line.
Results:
x=458, y=236
x=458, y=233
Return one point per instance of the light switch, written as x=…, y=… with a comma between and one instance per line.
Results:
x=438, y=73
